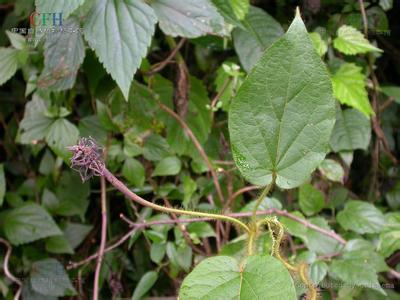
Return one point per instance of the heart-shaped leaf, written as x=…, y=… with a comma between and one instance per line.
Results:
x=221, y=277
x=282, y=116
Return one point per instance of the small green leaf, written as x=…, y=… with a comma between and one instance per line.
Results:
x=168, y=166
x=48, y=277
x=282, y=116
x=144, y=285
x=318, y=271
x=35, y=125
x=2, y=184
x=189, y=18
x=29, y=223
x=392, y=91
x=259, y=31
x=157, y=252
x=134, y=172
x=221, y=277
x=58, y=244
x=319, y=44
x=311, y=200
x=352, y=131
x=8, y=63
x=120, y=33
x=361, y=217
x=332, y=170
x=66, y=7
x=350, y=41
x=349, y=88
x=18, y=41
x=76, y=233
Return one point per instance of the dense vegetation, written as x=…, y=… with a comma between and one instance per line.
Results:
x=255, y=145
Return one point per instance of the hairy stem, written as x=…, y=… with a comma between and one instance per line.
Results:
x=131, y=195
x=263, y=194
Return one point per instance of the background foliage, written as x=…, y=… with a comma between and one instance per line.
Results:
x=111, y=78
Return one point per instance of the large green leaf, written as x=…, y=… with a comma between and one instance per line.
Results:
x=259, y=32
x=349, y=88
x=221, y=277
x=352, y=131
x=48, y=277
x=189, y=18
x=350, y=41
x=355, y=272
x=66, y=7
x=361, y=217
x=311, y=200
x=120, y=33
x=8, y=63
x=64, y=53
x=29, y=223
x=283, y=114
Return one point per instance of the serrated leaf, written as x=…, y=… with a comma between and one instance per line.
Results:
x=64, y=52
x=189, y=18
x=29, y=223
x=283, y=114
x=389, y=239
x=120, y=33
x=351, y=41
x=221, y=277
x=355, y=272
x=62, y=133
x=352, y=131
x=8, y=63
x=319, y=44
x=361, y=217
x=311, y=200
x=332, y=170
x=259, y=32
x=168, y=166
x=48, y=277
x=18, y=41
x=349, y=88
x=66, y=7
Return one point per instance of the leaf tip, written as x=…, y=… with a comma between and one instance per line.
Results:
x=298, y=15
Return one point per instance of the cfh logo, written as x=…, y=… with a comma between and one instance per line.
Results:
x=45, y=19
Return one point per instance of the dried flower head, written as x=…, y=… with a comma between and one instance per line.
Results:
x=87, y=158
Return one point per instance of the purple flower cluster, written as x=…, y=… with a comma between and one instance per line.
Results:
x=87, y=158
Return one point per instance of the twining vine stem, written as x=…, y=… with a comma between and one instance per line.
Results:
x=6, y=269
x=131, y=195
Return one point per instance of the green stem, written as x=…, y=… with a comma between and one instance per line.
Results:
x=172, y=44
x=260, y=199
x=131, y=195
